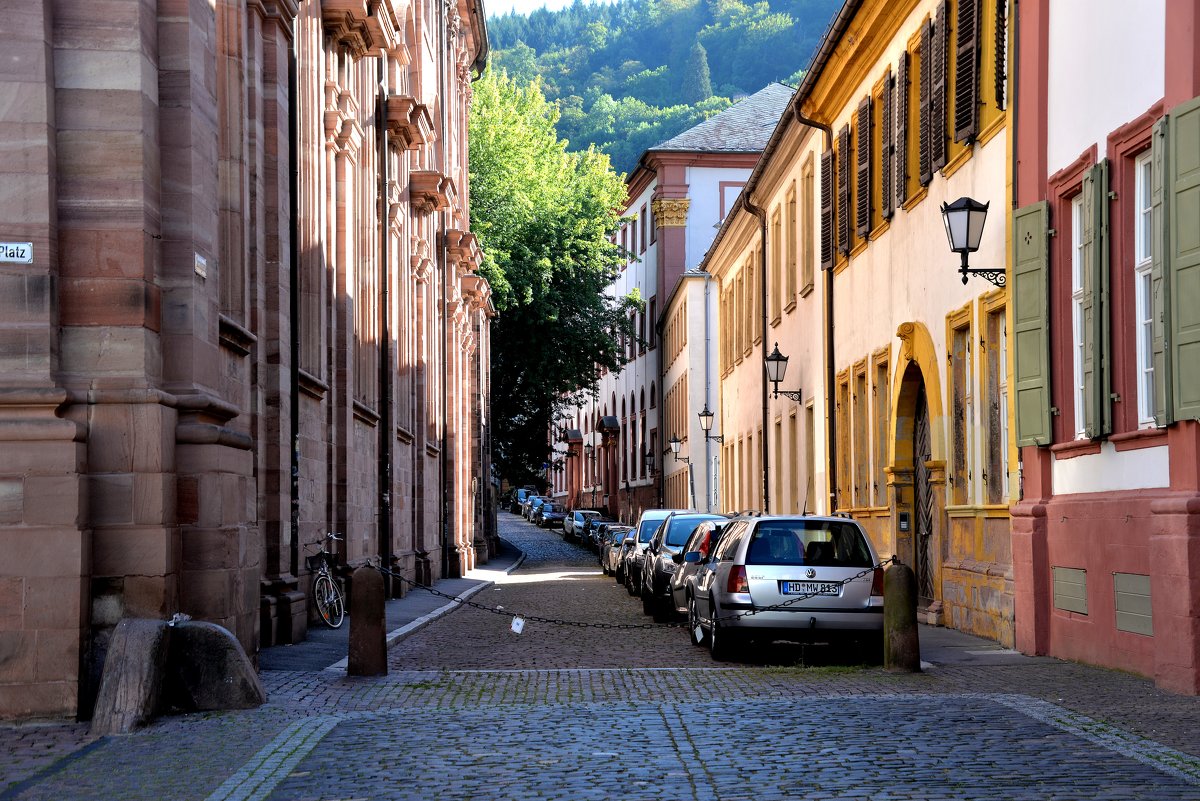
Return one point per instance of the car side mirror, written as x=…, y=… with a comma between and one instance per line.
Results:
x=693, y=557
x=628, y=541
x=678, y=558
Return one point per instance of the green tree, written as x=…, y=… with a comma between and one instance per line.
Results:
x=544, y=217
x=697, y=87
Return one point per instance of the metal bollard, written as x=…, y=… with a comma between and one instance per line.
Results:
x=901, y=643
x=368, y=640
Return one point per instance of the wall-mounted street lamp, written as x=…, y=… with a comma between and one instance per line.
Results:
x=776, y=364
x=648, y=458
x=964, y=220
x=706, y=421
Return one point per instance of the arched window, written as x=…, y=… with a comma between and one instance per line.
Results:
x=653, y=399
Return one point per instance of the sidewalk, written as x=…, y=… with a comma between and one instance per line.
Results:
x=326, y=648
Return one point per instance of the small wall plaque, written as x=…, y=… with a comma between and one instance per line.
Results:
x=903, y=520
x=16, y=252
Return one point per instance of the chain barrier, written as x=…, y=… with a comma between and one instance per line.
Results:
x=594, y=625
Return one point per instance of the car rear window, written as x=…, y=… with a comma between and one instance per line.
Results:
x=646, y=532
x=681, y=528
x=819, y=543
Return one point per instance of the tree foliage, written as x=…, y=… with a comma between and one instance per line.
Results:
x=544, y=217
x=620, y=69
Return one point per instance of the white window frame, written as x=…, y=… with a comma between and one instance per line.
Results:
x=1077, y=313
x=1143, y=290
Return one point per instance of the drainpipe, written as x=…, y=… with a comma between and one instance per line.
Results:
x=294, y=315
x=447, y=527
x=386, y=433
x=830, y=373
x=708, y=471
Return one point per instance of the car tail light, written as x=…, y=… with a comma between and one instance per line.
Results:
x=877, y=582
x=737, y=580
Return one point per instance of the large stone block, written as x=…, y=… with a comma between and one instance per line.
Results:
x=134, y=670
x=12, y=501
x=18, y=656
x=44, y=551
x=12, y=603
x=210, y=670
x=56, y=602
x=55, y=501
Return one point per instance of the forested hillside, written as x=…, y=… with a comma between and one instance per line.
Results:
x=633, y=73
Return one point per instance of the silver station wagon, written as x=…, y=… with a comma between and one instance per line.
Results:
x=787, y=578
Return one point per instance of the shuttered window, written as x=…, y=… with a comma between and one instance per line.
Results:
x=1000, y=68
x=1182, y=253
x=862, y=168
x=966, y=72
x=1094, y=302
x=901, y=143
x=926, y=86
x=937, y=88
x=827, y=220
x=887, y=144
x=843, y=190
x=1031, y=322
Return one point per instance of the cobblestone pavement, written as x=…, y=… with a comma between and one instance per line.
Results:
x=471, y=710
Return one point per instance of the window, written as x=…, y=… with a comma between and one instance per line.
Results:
x=1143, y=290
x=1077, y=320
x=779, y=462
x=789, y=238
x=883, y=402
x=961, y=413
x=996, y=474
x=653, y=229
x=810, y=459
x=650, y=332
x=861, y=438
x=807, y=188
x=843, y=438
x=642, y=229
x=776, y=255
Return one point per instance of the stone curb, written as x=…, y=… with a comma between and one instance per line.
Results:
x=396, y=635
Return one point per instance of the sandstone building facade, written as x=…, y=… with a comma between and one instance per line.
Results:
x=249, y=316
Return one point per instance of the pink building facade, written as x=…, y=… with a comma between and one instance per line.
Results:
x=249, y=316
x=1106, y=336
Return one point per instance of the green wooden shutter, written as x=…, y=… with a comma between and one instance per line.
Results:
x=925, y=86
x=1031, y=320
x=862, y=183
x=1104, y=338
x=1163, y=413
x=1094, y=264
x=1088, y=311
x=1183, y=259
x=966, y=72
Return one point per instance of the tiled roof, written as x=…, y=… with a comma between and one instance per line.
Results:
x=744, y=127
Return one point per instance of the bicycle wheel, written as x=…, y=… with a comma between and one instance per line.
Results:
x=330, y=604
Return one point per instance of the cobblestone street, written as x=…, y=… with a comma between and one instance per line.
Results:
x=471, y=710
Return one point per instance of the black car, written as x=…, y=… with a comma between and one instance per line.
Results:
x=550, y=514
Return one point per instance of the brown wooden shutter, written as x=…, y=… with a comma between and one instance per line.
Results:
x=937, y=89
x=887, y=143
x=901, y=148
x=843, y=190
x=827, y=220
x=926, y=171
x=1001, y=72
x=862, y=183
x=966, y=72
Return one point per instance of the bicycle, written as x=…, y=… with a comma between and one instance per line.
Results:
x=331, y=602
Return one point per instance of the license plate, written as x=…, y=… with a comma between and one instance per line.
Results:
x=810, y=587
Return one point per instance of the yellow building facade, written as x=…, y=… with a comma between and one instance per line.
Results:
x=838, y=252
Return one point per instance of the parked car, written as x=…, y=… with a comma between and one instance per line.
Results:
x=551, y=514
x=575, y=523
x=628, y=543
x=532, y=506
x=657, y=564
x=611, y=535
x=647, y=524
x=806, y=578
x=518, y=500
x=700, y=544
x=592, y=530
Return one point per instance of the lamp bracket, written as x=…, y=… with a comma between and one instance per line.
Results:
x=714, y=437
x=787, y=393
x=996, y=277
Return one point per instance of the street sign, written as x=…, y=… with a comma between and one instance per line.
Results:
x=16, y=252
